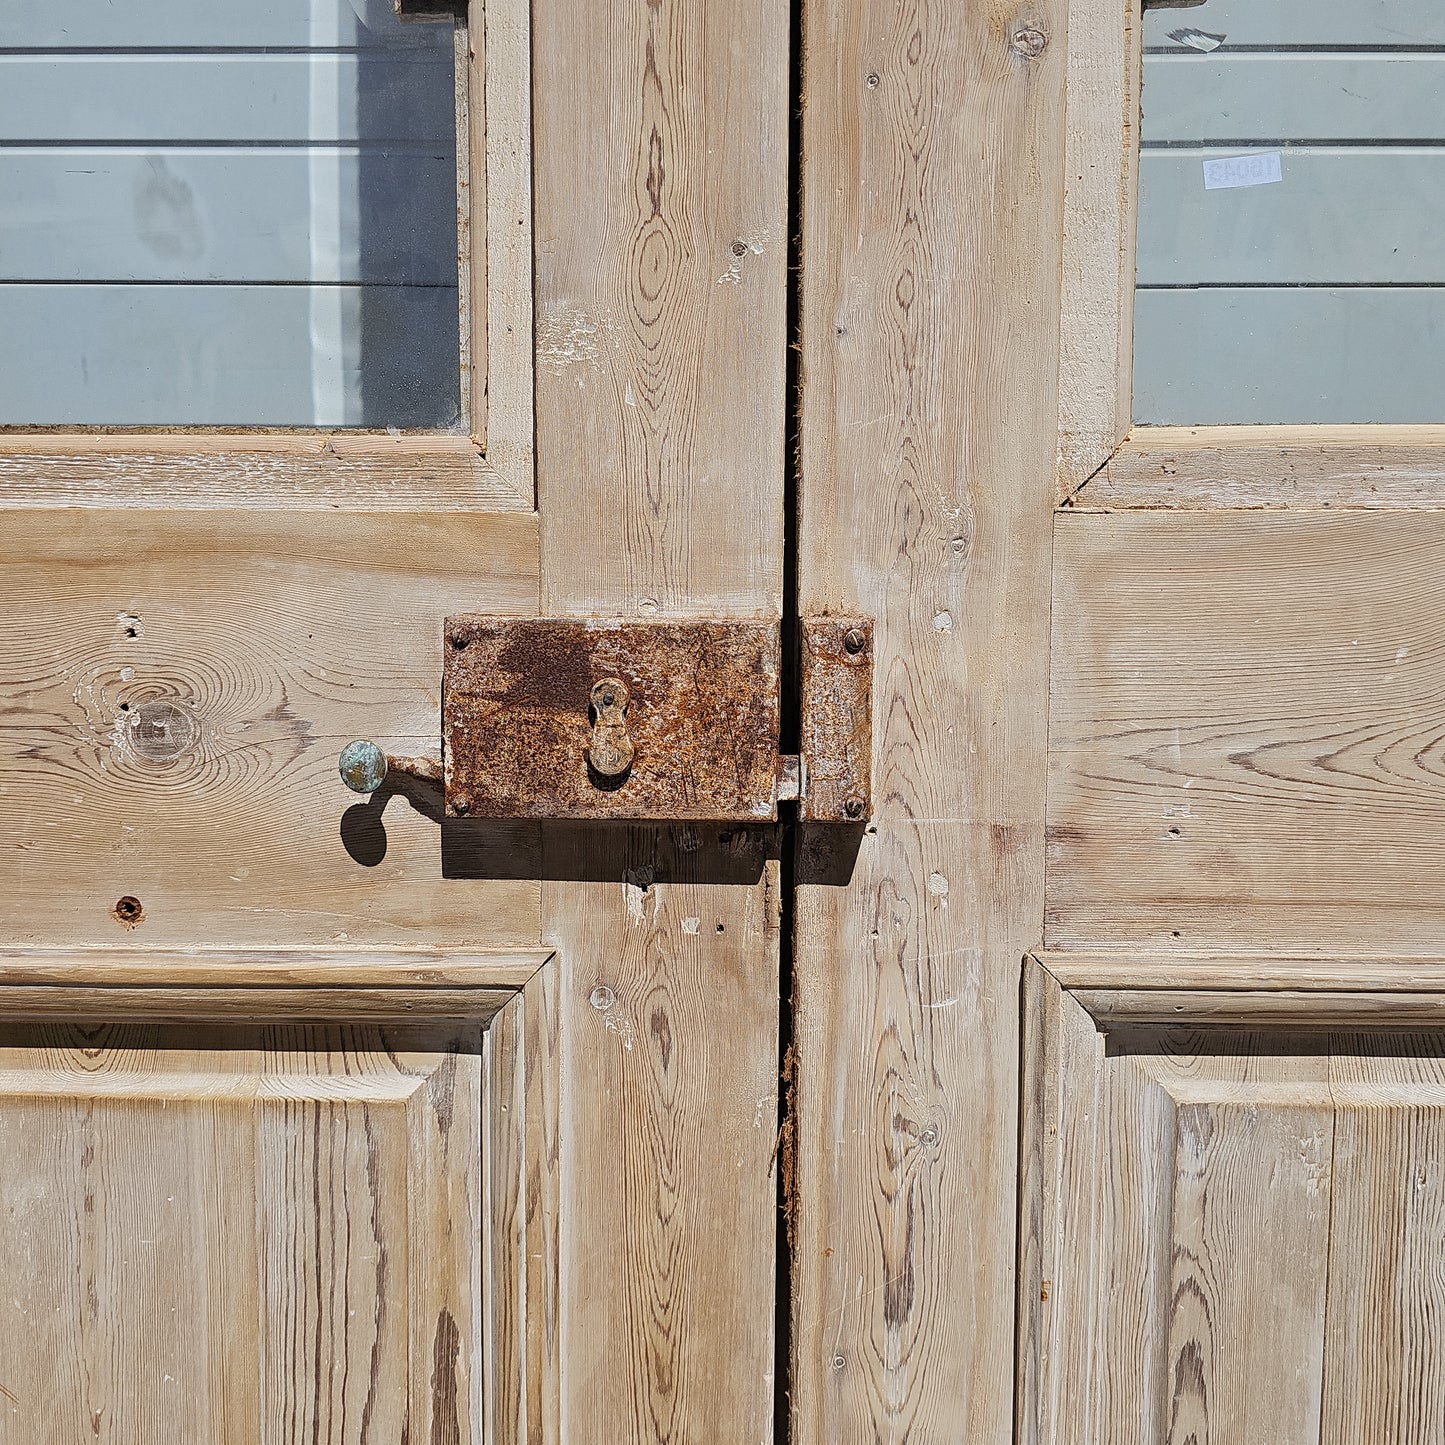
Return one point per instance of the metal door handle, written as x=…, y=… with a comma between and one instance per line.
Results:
x=364, y=767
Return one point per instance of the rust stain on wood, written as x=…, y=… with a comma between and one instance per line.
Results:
x=702, y=717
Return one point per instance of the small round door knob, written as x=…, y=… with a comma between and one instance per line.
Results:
x=362, y=766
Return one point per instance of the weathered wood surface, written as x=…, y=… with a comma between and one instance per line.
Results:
x=661, y=218
x=933, y=168
x=1140, y=973
x=1384, y=1377
x=1096, y=293
x=306, y=471
x=174, y=691
x=1305, y=467
x=260, y=1234
x=1244, y=750
x=1230, y=1234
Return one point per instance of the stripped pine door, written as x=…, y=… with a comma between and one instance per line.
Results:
x=327, y=1119
x=1233, y=1167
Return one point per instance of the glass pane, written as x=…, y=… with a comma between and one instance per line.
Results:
x=221, y=214
x=1291, y=258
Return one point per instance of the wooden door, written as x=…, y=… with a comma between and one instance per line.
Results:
x=327, y=1118
x=1116, y=1048
x=1232, y=1136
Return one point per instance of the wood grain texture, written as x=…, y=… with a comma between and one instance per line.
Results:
x=933, y=178
x=1273, y=468
x=542, y=1207
x=1384, y=1375
x=306, y=472
x=661, y=268
x=410, y=972
x=271, y=1233
x=174, y=690
x=1141, y=971
x=499, y=73
x=1244, y=752
x=1096, y=324
x=661, y=239
x=1228, y=1233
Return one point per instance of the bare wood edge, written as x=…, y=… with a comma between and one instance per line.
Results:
x=412, y=969
x=1036, y=1064
x=322, y=470
x=521, y=1285
x=253, y=987
x=1271, y=468
x=503, y=76
x=1096, y=322
x=1306, y=994
x=1295, y=1009
x=469, y=52
x=1243, y=973
x=1051, y=1019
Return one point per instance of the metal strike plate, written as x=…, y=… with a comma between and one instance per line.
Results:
x=699, y=707
x=837, y=719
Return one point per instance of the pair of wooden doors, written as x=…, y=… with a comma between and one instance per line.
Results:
x=338, y=1120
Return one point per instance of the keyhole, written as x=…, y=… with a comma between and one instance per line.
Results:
x=611, y=753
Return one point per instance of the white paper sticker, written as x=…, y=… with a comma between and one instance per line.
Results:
x=1257, y=170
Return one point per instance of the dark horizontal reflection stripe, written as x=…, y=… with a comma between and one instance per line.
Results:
x=1291, y=285
x=1428, y=143
x=381, y=285
x=424, y=147
x=1227, y=49
x=429, y=54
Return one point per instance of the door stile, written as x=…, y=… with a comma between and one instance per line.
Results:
x=932, y=203
x=661, y=135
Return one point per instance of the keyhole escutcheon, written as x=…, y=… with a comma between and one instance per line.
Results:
x=611, y=752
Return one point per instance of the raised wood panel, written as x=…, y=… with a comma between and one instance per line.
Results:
x=933, y=215
x=271, y=1234
x=1229, y=1234
x=1385, y=1374
x=174, y=692
x=1244, y=746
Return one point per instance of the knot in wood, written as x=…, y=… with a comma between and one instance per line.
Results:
x=160, y=731
x=611, y=752
x=1028, y=41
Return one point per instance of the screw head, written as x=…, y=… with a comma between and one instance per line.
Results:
x=853, y=807
x=854, y=640
x=460, y=638
x=461, y=805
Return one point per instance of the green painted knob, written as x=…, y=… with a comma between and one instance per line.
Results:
x=362, y=766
